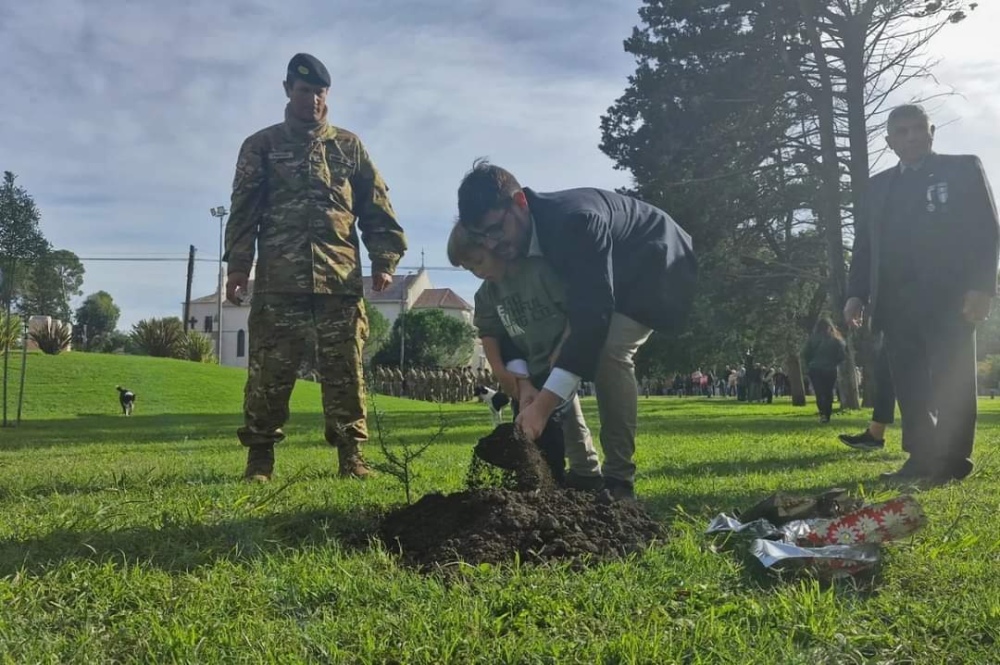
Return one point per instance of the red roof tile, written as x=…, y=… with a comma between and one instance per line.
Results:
x=441, y=299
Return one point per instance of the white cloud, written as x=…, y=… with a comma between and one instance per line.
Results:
x=123, y=118
x=130, y=114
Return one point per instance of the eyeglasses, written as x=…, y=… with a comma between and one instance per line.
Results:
x=495, y=231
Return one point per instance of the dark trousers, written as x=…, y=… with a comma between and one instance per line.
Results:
x=823, y=381
x=883, y=392
x=933, y=365
x=551, y=444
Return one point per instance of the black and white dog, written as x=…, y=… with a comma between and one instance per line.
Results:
x=127, y=399
x=495, y=400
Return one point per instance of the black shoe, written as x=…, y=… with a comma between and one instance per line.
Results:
x=584, y=483
x=260, y=464
x=949, y=470
x=960, y=469
x=863, y=441
x=620, y=490
x=910, y=472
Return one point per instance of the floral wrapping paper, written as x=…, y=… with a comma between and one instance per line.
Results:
x=892, y=520
x=838, y=546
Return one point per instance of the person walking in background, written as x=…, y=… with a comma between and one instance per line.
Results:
x=823, y=353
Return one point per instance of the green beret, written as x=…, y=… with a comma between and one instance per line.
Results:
x=308, y=68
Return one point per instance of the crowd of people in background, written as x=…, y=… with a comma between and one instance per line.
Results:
x=747, y=382
x=450, y=385
x=431, y=384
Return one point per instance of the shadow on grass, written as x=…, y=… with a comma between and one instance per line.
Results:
x=667, y=505
x=89, y=429
x=112, y=482
x=733, y=467
x=177, y=547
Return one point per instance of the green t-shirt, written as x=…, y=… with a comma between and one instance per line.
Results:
x=529, y=306
x=824, y=353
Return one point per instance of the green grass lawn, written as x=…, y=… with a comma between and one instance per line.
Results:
x=132, y=540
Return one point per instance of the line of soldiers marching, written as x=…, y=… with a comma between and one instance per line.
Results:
x=455, y=384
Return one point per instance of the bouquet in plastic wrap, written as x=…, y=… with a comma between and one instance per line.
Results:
x=832, y=533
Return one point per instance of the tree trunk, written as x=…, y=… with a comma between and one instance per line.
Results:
x=857, y=131
x=6, y=363
x=828, y=208
x=794, y=371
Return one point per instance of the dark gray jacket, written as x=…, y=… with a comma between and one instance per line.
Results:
x=966, y=253
x=615, y=254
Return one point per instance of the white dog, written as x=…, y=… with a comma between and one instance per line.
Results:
x=127, y=400
x=495, y=400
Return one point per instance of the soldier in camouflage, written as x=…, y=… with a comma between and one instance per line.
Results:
x=302, y=192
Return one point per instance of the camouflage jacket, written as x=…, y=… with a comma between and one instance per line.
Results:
x=296, y=197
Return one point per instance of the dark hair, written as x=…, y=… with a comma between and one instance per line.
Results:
x=908, y=111
x=825, y=328
x=484, y=188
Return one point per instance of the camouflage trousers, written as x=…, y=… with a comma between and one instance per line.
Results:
x=282, y=329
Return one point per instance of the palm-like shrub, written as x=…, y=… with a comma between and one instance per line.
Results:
x=10, y=331
x=162, y=338
x=198, y=348
x=53, y=338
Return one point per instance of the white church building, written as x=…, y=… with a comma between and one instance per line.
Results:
x=407, y=292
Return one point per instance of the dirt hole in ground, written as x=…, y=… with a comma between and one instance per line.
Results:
x=522, y=514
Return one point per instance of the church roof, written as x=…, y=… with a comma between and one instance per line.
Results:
x=441, y=299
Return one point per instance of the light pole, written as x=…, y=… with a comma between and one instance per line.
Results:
x=221, y=213
x=402, y=321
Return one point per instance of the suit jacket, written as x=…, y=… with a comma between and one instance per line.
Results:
x=970, y=241
x=615, y=254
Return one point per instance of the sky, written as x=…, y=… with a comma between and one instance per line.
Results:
x=123, y=119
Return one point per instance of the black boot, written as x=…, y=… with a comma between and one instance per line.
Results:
x=260, y=464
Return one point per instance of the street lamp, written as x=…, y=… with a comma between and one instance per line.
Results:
x=402, y=319
x=221, y=213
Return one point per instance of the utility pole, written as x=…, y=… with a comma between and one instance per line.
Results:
x=402, y=329
x=402, y=320
x=187, y=292
x=221, y=213
x=24, y=366
x=8, y=292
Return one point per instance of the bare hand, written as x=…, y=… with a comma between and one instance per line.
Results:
x=526, y=393
x=508, y=383
x=853, y=311
x=236, y=281
x=976, y=306
x=530, y=422
x=381, y=281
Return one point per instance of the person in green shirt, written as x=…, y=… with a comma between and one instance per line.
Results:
x=522, y=302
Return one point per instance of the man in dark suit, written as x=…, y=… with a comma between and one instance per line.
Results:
x=628, y=269
x=925, y=270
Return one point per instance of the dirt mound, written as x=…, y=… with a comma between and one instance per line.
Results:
x=536, y=521
x=494, y=525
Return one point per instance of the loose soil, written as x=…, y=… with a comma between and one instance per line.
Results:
x=534, y=520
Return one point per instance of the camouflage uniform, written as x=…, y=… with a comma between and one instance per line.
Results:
x=411, y=384
x=468, y=384
x=397, y=383
x=298, y=191
x=422, y=383
x=454, y=385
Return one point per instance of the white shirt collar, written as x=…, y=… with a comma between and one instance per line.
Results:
x=534, y=247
